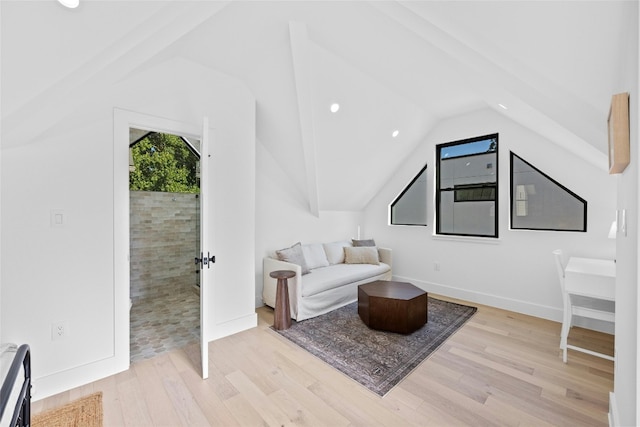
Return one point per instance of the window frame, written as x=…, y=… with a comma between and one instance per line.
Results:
x=402, y=193
x=512, y=199
x=439, y=191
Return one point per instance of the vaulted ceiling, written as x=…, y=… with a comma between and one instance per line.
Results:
x=391, y=65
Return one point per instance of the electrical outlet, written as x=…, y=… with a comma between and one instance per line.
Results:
x=59, y=330
x=436, y=266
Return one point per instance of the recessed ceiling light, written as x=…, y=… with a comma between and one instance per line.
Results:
x=72, y=4
x=395, y=133
x=502, y=106
x=334, y=107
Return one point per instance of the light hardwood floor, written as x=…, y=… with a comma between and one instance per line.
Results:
x=501, y=368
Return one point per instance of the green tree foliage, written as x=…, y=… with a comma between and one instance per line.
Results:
x=163, y=163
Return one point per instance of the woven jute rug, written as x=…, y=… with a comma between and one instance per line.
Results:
x=378, y=360
x=84, y=412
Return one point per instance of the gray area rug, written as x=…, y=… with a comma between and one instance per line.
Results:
x=377, y=360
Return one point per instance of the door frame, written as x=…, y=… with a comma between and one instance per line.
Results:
x=122, y=121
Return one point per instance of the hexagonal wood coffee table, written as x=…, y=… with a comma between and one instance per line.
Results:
x=392, y=306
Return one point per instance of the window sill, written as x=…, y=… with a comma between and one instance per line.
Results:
x=467, y=239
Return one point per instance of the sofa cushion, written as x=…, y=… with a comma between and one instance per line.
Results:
x=361, y=255
x=294, y=255
x=337, y=275
x=314, y=256
x=367, y=242
x=335, y=251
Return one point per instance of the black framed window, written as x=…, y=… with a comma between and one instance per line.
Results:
x=466, y=187
x=410, y=207
x=538, y=202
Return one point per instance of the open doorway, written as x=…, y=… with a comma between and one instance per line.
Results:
x=164, y=190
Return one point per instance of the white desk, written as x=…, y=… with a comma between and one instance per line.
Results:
x=592, y=278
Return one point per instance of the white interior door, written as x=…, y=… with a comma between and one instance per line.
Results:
x=206, y=258
x=123, y=120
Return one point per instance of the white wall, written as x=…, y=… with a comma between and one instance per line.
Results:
x=67, y=273
x=283, y=216
x=516, y=271
x=1, y=338
x=624, y=402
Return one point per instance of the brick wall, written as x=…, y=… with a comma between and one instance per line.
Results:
x=165, y=236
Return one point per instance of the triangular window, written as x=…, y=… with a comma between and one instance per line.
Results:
x=538, y=202
x=410, y=207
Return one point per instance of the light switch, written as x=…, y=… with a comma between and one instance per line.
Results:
x=57, y=218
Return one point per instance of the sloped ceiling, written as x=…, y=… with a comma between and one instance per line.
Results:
x=391, y=65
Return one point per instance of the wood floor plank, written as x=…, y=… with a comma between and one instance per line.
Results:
x=308, y=400
x=405, y=404
x=552, y=411
x=298, y=413
x=212, y=406
x=185, y=405
x=134, y=408
x=500, y=369
x=346, y=392
x=521, y=418
x=357, y=415
x=158, y=402
x=219, y=383
x=111, y=407
x=580, y=402
x=449, y=401
x=526, y=376
x=399, y=398
x=259, y=401
x=292, y=370
x=243, y=411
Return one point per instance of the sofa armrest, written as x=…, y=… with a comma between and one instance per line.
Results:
x=386, y=256
x=269, y=284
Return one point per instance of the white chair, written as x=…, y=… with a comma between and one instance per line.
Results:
x=578, y=305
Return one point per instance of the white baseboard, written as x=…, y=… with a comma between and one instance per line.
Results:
x=537, y=310
x=519, y=306
x=49, y=385
x=613, y=410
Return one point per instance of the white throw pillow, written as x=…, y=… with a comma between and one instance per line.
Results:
x=335, y=251
x=294, y=255
x=314, y=256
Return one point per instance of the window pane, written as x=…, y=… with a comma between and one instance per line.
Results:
x=457, y=150
x=540, y=203
x=410, y=207
x=466, y=218
x=467, y=180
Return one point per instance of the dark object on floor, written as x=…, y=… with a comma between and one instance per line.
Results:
x=15, y=394
x=391, y=306
x=282, y=315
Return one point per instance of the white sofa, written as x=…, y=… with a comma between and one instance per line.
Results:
x=331, y=282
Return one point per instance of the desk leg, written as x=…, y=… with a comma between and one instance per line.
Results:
x=566, y=326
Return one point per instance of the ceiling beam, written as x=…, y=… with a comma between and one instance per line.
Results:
x=302, y=73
